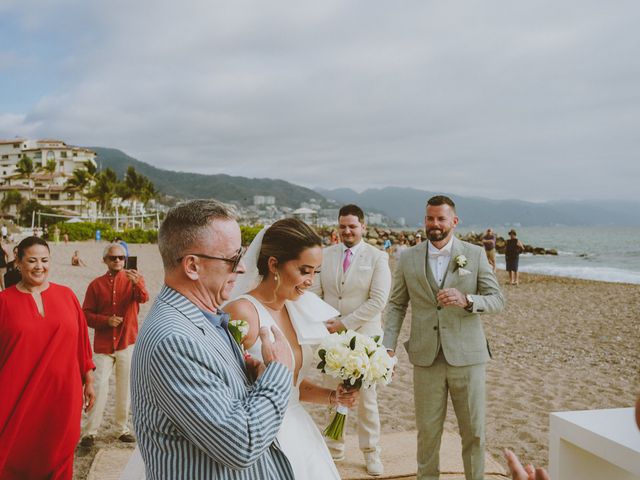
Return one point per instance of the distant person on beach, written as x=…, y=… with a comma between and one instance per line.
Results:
x=512, y=253
x=111, y=305
x=3, y=263
x=12, y=277
x=449, y=284
x=65, y=237
x=124, y=245
x=334, y=238
x=386, y=243
x=76, y=261
x=400, y=248
x=489, y=242
x=46, y=371
x=355, y=280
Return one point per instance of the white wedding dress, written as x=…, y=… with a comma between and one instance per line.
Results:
x=299, y=437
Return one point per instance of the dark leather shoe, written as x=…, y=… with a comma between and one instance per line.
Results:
x=87, y=441
x=127, y=438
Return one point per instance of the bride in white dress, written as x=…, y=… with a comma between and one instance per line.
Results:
x=280, y=266
x=284, y=260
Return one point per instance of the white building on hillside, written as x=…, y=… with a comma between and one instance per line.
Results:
x=48, y=188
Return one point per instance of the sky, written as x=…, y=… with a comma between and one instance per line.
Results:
x=526, y=100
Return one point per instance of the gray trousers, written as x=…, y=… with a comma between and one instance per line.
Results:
x=466, y=385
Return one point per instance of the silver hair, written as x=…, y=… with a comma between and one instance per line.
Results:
x=105, y=252
x=185, y=225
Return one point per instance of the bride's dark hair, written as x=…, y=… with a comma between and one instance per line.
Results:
x=285, y=240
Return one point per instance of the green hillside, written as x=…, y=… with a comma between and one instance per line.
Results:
x=184, y=185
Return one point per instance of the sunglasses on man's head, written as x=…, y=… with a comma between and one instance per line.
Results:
x=113, y=258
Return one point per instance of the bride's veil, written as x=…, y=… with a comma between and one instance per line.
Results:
x=250, y=279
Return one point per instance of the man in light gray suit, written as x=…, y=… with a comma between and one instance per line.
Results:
x=196, y=411
x=449, y=284
x=355, y=279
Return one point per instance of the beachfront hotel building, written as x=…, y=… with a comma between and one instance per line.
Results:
x=47, y=188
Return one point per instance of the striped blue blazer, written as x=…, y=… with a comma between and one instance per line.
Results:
x=194, y=412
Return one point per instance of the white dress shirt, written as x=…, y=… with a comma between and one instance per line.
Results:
x=439, y=260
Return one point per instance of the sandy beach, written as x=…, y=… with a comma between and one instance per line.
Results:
x=560, y=344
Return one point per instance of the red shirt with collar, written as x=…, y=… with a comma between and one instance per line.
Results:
x=114, y=295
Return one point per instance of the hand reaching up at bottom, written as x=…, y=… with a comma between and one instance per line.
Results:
x=518, y=472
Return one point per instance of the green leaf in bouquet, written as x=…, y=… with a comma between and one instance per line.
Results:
x=321, y=353
x=352, y=343
x=321, y=365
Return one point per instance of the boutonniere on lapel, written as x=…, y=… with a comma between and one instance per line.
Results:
x=238, y=330
x=461, y=262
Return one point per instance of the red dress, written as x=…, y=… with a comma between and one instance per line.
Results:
x=42, y=363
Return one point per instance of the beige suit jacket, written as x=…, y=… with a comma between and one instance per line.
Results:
x=459, y=332
x=361, y=294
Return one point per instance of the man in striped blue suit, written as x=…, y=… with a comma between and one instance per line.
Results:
x=196, y=411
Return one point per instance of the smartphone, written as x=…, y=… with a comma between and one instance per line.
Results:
x=132, y=263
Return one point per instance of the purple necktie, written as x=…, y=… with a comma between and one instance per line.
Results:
x=347, y=260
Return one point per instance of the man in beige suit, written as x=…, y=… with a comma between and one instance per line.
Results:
x=449, y=284
x=355, y=279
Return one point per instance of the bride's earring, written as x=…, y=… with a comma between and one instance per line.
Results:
x=275, y=277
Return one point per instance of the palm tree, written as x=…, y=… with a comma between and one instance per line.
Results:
x=136, y=187
x=79, y=182
x=50, y=167
x=104, y=189
x=92, y=170
x=12, y=197
x=25, y=167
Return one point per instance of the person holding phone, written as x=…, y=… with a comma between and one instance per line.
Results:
x=111, y=305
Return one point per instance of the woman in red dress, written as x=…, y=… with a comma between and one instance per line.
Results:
x=46, y=371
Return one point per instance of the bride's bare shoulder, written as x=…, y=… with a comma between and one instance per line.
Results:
x=243, y=309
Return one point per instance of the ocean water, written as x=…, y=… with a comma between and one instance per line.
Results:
x=609, y=254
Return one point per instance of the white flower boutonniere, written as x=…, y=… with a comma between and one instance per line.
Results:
x=461, y=261
x=238, y=330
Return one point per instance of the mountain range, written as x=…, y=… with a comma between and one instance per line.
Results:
x=226, y=188
x=394, y=202
x=475, y=211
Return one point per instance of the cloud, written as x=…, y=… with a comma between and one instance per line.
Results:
x=532, y=101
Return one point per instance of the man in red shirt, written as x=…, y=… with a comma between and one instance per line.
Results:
x=111, y=306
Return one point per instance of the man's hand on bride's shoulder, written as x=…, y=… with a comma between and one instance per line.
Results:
x=277, y=350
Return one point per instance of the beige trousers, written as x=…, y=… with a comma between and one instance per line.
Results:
x=368, y=423
x=105, y=363
x=466, y=385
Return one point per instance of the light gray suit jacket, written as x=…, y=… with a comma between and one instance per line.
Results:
x=361, y=293
x=459, y=332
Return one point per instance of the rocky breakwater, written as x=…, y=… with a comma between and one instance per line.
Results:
x=376, y=236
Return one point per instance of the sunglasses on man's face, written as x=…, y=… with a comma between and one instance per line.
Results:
x=114, y=258
x=234, y=261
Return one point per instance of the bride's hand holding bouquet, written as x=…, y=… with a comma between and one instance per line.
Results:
x=359, y=361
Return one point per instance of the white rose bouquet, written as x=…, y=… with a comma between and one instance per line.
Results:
x=238, y=330
x=359, y=361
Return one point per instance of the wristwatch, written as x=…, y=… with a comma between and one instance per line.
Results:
x=469, y=307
